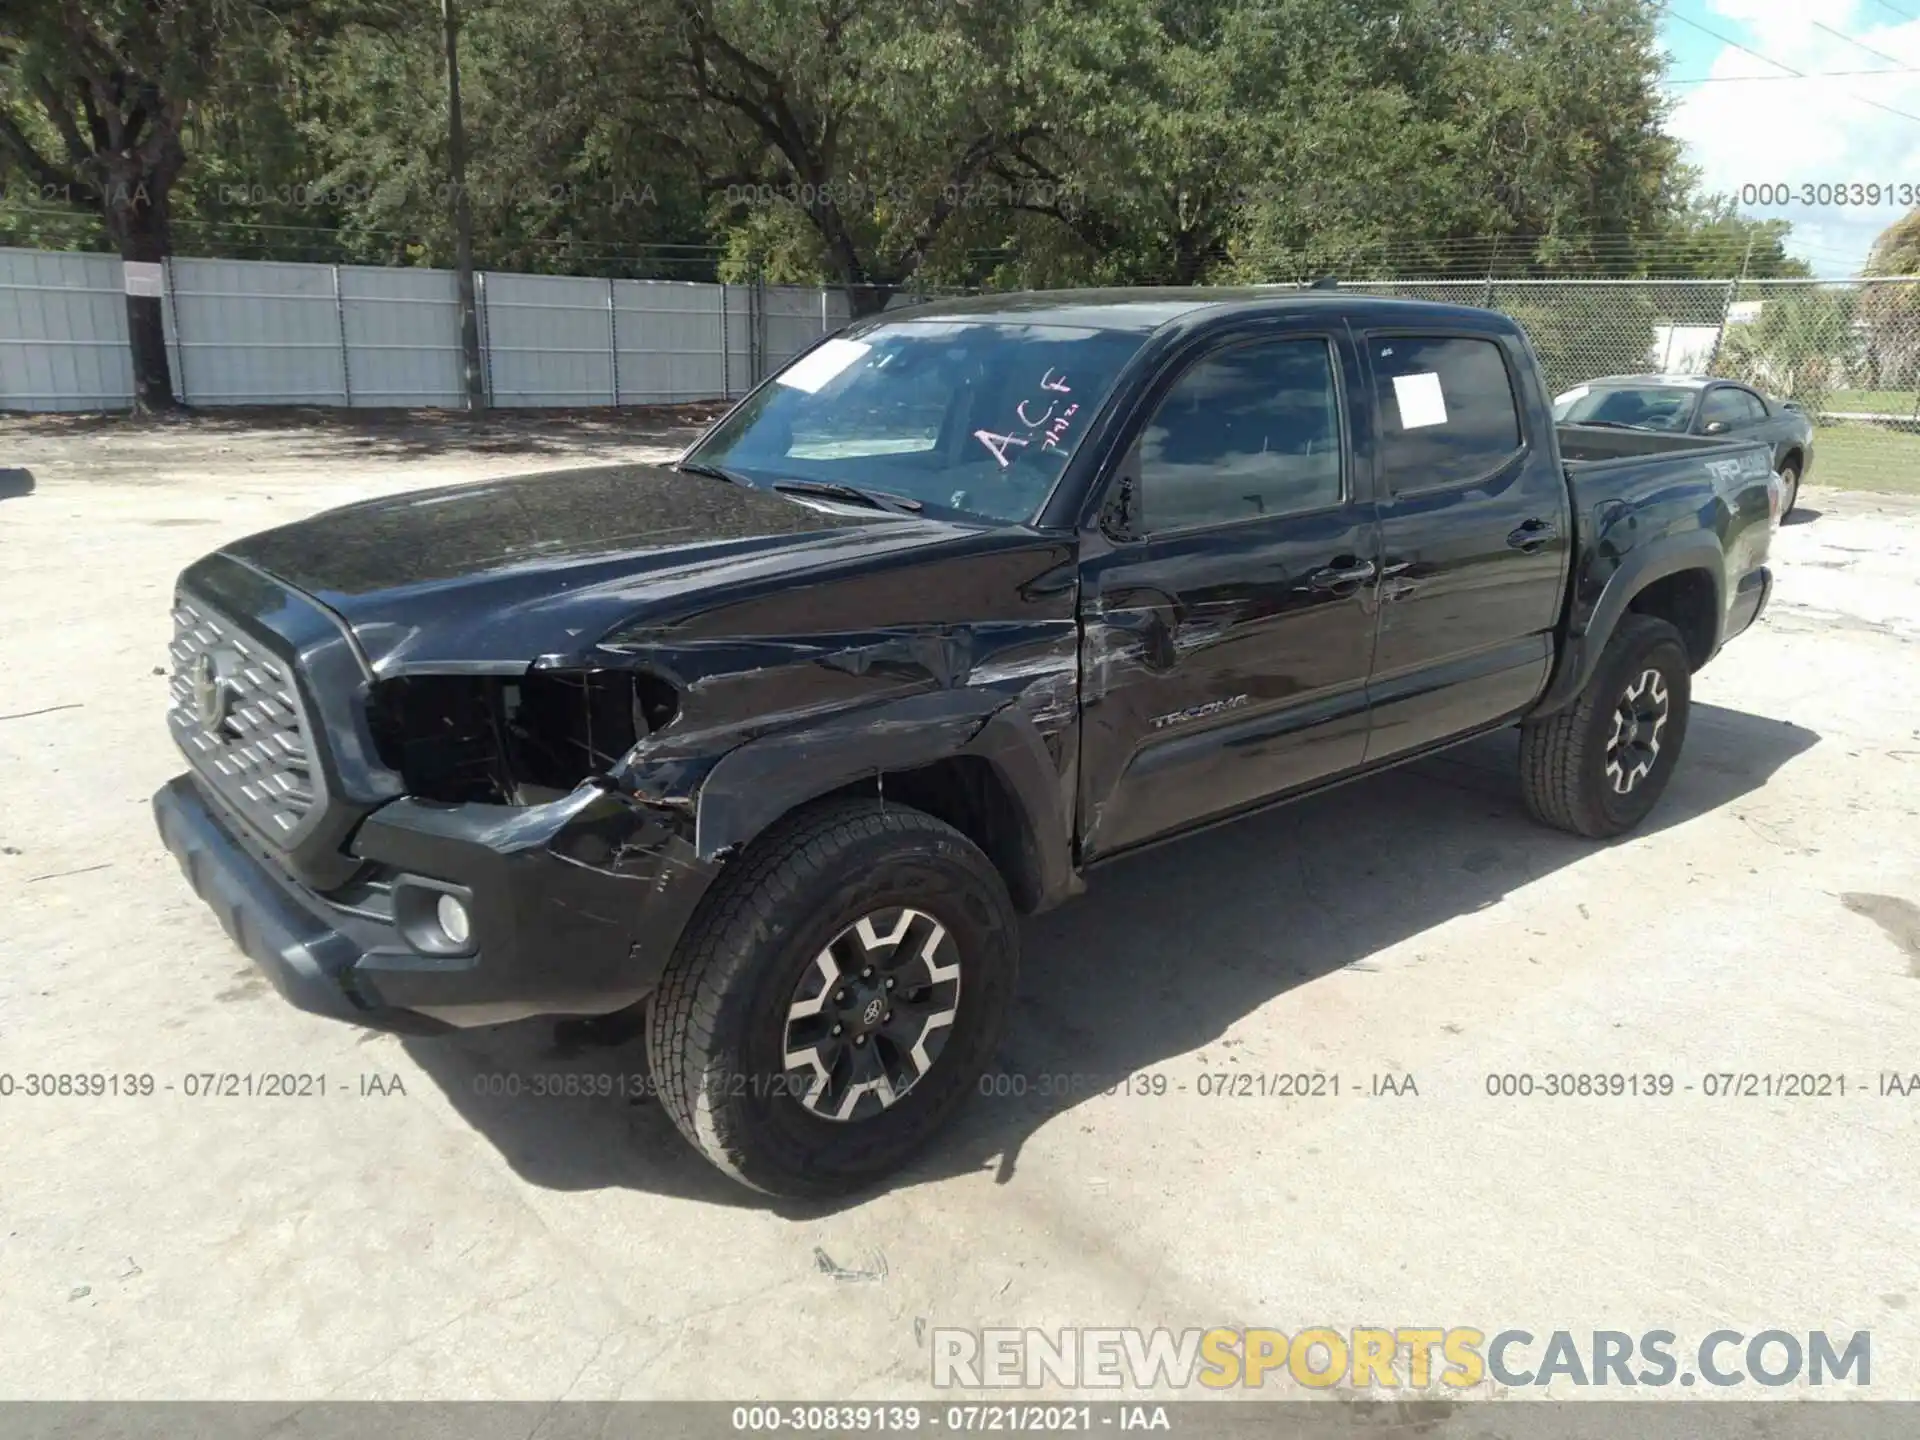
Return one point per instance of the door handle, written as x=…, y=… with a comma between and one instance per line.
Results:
x=1332, y=577
x=1533, y=535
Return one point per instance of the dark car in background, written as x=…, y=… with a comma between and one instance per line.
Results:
x=1697, y=405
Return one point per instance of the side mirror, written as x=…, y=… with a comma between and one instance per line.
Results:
x=1716, y=427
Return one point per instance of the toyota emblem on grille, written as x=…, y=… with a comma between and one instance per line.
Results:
x=210, y=693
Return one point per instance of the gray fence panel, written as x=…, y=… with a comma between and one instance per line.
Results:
x=796, y=316
x=252, y=332
x=548, y=340
x=63, y=332
x=402, y=331
x=670, y=342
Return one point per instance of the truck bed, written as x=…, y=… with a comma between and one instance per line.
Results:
x=1589, y=445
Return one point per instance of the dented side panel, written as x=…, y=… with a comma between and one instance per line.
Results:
x=985, y=667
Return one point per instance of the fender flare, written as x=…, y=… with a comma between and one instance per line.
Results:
x=1641, y=567
x=752, y=786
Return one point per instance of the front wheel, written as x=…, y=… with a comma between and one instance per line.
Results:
x=837, y=997
x=1598, y=766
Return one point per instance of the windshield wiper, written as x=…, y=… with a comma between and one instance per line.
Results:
x=835, y=490
x=700, y=467
x=1608, y=424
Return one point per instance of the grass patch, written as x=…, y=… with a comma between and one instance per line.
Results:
x=1867, y=457
x=1873, y=402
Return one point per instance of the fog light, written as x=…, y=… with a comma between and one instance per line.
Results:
x=452, y=916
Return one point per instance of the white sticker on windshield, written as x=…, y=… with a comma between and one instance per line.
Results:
x=1421, y=402
x=1578, y=392
x=821, y=365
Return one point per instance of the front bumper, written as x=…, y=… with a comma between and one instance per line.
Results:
x=576, y=907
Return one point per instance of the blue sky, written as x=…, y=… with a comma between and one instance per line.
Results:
x=1854, y=118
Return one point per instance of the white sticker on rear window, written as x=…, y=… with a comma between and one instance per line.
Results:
x=1578, y=392
x=821, y=365
x=1421, y=402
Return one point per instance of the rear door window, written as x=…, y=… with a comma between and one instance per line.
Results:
x=1732, y=407
x=1446, y=410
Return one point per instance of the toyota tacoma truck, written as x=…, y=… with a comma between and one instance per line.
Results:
x=781, y=740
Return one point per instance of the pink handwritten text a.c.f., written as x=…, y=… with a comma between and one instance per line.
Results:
x=1055, y=426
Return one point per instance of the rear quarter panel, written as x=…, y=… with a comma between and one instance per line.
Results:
x=1642, y=518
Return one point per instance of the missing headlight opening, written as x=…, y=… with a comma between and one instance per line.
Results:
x=519, y=740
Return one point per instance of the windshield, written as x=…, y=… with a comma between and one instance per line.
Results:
x=1644, y=407
x=977, y=417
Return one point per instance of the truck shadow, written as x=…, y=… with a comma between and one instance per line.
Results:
x=1163, y=956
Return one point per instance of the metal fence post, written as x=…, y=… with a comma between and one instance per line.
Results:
x=726, y=348
x=340, y=325
x=757, y=332
x=613, y=343
x=486, y=334
x=1720, y=335
x=179, y=346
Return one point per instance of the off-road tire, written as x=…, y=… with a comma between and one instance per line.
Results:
x=1564, y=756
x=716, y=1024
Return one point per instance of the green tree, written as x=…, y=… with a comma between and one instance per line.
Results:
x=1474, y=136
x=97, y=98
x=1800, y=345
x=1889, y=310
x=1710, y=239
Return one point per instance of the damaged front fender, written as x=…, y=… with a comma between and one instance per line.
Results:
x=972, y=735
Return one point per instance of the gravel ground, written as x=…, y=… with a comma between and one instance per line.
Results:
x=410, y=1236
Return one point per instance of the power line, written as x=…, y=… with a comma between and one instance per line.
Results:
x=1778, y=65
x=1810, y=75
x=1858, y=44
x=1517, y=245
x=704, y=249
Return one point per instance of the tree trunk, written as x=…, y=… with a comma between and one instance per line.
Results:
x=865, y=295
x=1190, y=254
x=136, y=216
x=867, y=299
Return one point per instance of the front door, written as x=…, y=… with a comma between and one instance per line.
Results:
x=1227, y=603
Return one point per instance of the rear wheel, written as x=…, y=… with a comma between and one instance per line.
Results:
x=837, y=997
x=1599, y=765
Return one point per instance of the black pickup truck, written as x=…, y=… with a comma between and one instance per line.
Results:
x=780, y=741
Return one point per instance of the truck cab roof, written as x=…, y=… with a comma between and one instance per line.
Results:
x=1143, y=310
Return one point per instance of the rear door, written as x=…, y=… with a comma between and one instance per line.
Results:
x=1227, y=596
x=1475, y=531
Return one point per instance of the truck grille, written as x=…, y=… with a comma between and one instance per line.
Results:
x=236, y=713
